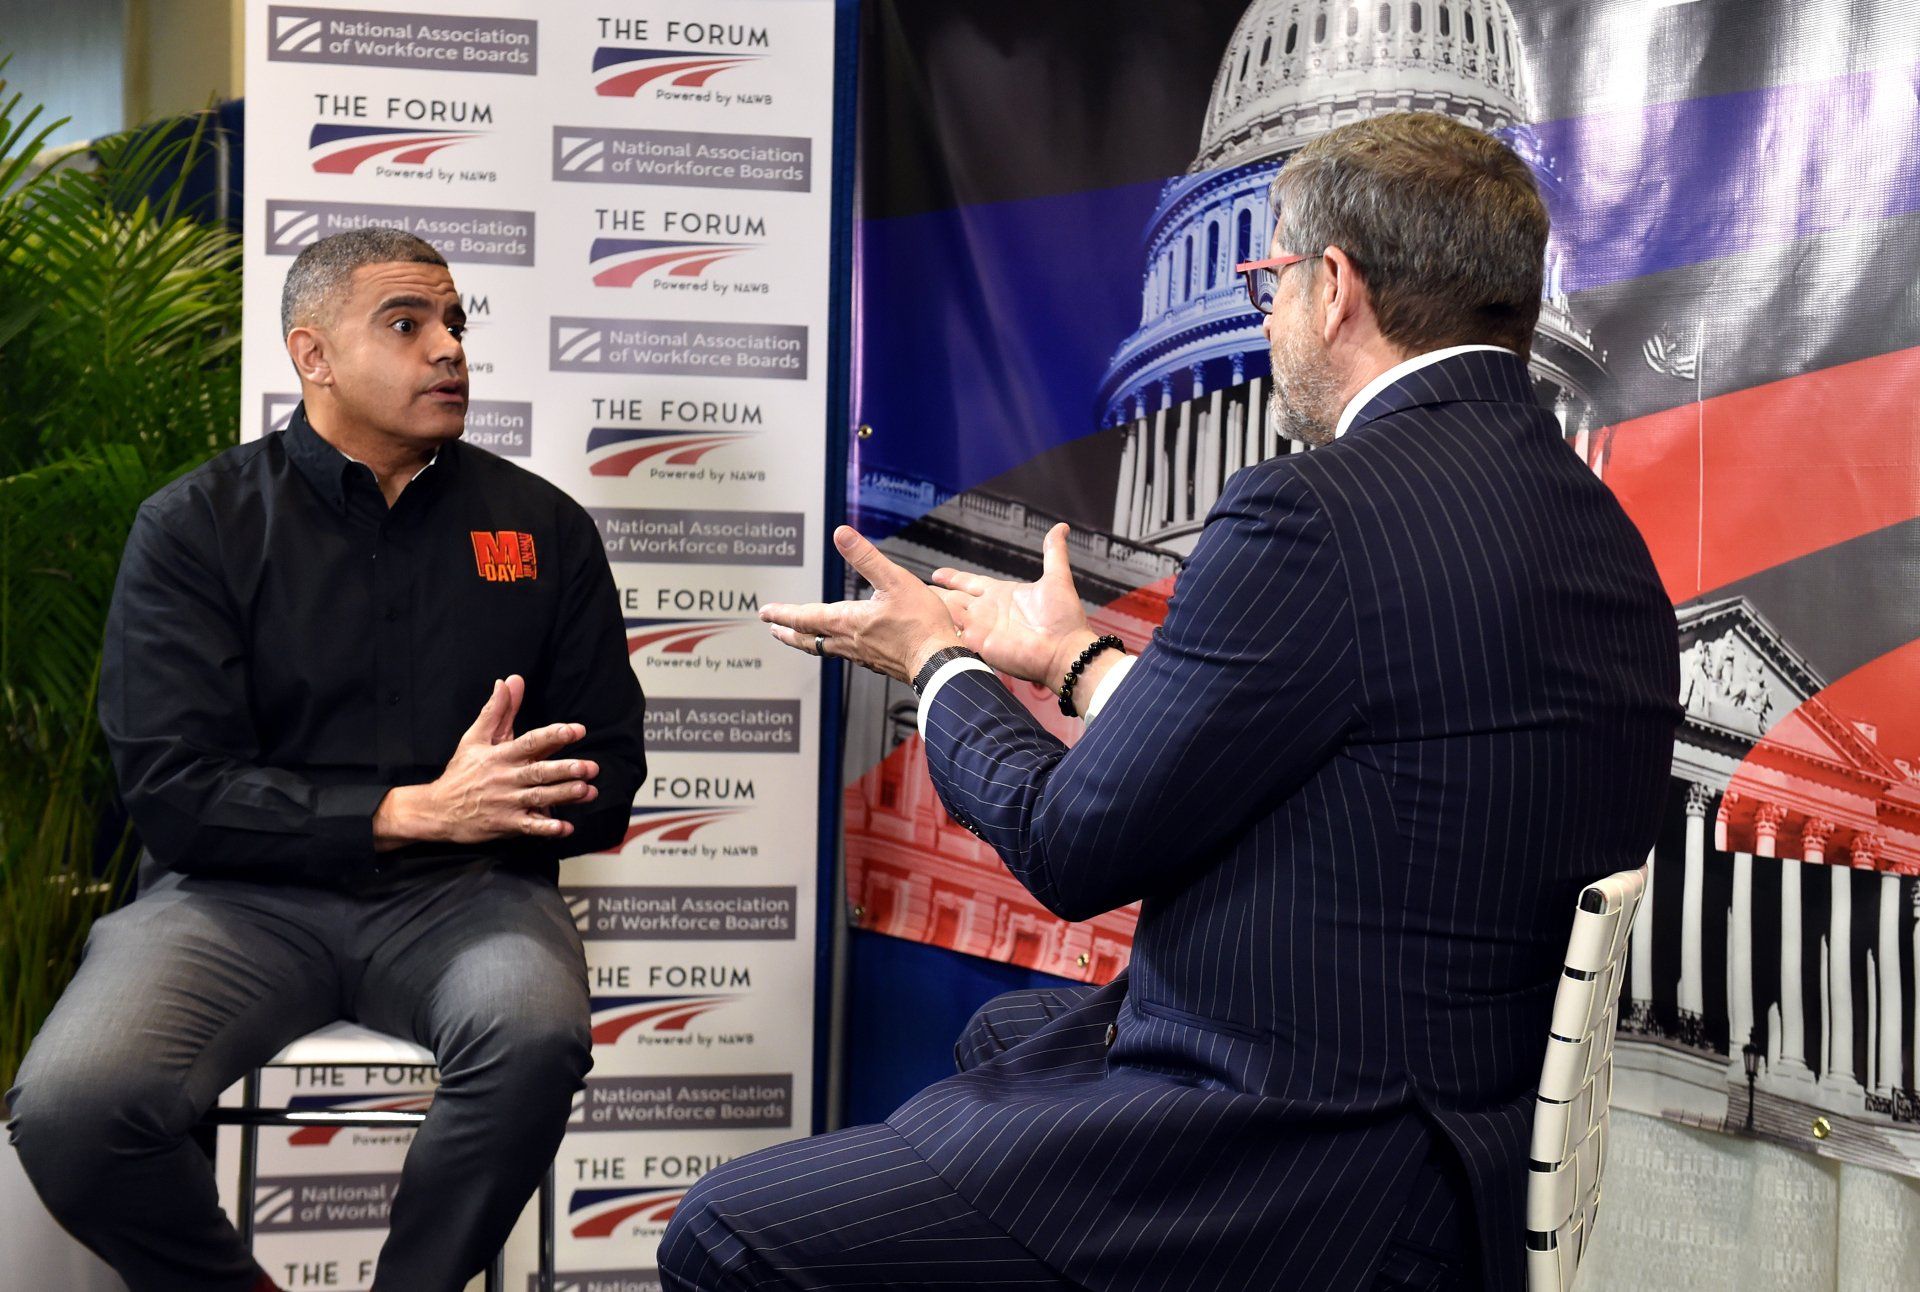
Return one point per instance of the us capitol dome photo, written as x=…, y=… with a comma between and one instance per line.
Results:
x=1191, y=383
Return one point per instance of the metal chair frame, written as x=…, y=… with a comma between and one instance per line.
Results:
x=1569, y=1152
x=313, y=1051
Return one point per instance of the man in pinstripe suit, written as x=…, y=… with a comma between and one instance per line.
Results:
x=1415, y=689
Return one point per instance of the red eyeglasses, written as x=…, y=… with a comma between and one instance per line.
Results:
x=1263, y=278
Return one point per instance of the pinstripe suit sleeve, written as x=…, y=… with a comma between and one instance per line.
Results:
x=1246, y=689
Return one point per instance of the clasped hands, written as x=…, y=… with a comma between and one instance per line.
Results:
x=496, y=785
x=1031, y=631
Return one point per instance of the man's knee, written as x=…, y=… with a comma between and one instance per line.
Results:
x=698, y=1248
x=74, y=1123
x=536, y=1051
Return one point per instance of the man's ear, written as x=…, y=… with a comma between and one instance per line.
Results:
x=1344, y=295
x=308, y=350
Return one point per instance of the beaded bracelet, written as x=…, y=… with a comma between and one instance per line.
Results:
x=1094, y=647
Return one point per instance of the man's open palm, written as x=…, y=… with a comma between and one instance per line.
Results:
x=1019, y=628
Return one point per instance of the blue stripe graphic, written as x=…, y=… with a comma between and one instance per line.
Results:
x=986, y=329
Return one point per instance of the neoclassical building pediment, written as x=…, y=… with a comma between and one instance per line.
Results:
x=1738, y=675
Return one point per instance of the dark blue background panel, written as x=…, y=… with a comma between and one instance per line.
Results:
x=906, y=1003
x=985, y=330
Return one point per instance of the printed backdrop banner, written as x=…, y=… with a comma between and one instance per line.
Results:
x=635, y=203
x=1052, y=200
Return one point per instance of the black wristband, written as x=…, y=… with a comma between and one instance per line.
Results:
x=945, y=655
x=1094, y=647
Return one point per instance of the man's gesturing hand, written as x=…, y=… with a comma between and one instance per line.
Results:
x=892, y=632
x=495, y=786
x=1030, y=630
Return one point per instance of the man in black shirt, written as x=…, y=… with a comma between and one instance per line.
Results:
x=320, y=648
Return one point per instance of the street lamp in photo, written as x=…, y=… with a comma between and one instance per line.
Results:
x=1750, y=1055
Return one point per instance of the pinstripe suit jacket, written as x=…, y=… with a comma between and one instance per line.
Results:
x=1413, y=691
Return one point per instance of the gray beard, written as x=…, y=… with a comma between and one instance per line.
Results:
x=1303, y=391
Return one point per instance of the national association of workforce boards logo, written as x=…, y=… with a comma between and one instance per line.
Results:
x=619, y=450
x=622, y=73
x=276, y=410
x=437, y=42
x=342, y=149
x=621, y=262
x=597, y=1213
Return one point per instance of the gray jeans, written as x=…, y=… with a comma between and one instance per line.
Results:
x=199, y=981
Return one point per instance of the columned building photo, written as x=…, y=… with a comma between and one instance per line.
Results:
x=1191, y=384
x=1781, y=912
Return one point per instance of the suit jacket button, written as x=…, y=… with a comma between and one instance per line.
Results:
x=1112, y=1031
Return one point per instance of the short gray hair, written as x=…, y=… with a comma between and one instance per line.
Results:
x=323, y=270
x=1444, y=222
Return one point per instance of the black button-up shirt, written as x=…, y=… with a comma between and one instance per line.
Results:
x=283, y=649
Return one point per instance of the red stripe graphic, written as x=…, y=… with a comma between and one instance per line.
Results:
x=678, y=1020
x=1754, y=478
x=344, y=161
x=686, y=828
x=694, y=268
x=695, y=80
x=628, y=83
x=685, y=453
x=624, y=274
x=680, y=640
x=658, y=1211
x=673, y=1016
x=673, y=829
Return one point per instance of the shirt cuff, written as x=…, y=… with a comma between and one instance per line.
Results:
x=344, y=814
x=1108, y=685
x=939, y=679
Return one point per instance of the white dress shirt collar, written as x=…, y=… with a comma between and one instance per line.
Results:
x=376, y=475
x=1404, y=368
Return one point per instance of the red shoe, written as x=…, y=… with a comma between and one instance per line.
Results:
x=265, y=1284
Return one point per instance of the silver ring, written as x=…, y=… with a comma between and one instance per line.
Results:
x=820, y=644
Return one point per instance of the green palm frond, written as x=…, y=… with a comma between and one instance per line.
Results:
x=119, y=369
x=61, y=526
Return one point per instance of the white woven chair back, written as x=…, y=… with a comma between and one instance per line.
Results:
x=1570, y=1113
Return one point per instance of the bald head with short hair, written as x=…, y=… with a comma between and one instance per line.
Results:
x=323, y=273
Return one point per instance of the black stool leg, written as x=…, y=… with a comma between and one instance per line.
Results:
x=546, y=1231
x=497, y=1272
x=249, y=1157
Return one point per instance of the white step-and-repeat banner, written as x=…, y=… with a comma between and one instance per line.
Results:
x=635, y=200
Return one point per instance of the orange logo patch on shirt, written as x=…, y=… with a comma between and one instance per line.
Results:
x=504, y=555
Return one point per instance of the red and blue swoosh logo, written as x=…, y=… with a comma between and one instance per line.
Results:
x=342, y=150
x=618, y=451
x=595, y=1213
x=615, y=1016
x=675, y=636
x=674, y=824
x=623, y=73
x=621, y=262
